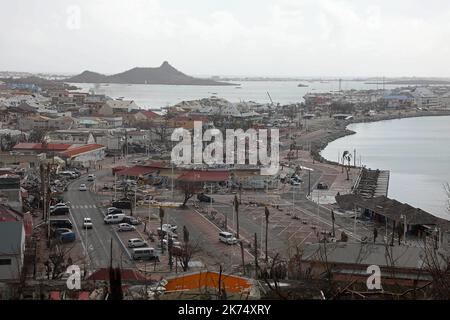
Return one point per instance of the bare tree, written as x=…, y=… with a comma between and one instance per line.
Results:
x=187, y=251
x=189, y=189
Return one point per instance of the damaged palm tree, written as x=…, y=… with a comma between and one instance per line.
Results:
x=347, y=156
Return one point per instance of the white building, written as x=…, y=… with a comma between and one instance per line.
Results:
x=12, y=249
x=113, y=107
x=425, y=98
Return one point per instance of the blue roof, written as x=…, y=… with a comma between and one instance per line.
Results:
x=398, y=97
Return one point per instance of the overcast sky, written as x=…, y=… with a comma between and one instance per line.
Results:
x=207, y=37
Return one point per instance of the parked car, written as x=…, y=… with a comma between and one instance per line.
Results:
x=113, y=210
x=87, y=223
x=61, y=223
x=174, y=243
x=67, y=236
x=59, y=211
x=126, y=227
x=136, y=243
x=170, y=227
x=114, y=218
x=144, y=254
x=204, y=198
x=131, y=220
x=122, y=204
x=227, y=238
x=61, y=204
x=69, y=174
x=91, y=177
x=57, y=232
x=322, y=186
x=83, y=187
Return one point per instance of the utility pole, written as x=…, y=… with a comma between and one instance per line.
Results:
x=256, y=256
x=318, y=203
x=267, y=231
x=236, y=208
x=42, y=174
x=309, y=183
x=115, y=186
x=161, y=217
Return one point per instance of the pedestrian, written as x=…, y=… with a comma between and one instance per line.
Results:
x=375, y=234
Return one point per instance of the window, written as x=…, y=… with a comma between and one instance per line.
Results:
x=5, y=262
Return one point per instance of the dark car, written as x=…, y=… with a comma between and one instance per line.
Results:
x=57, y=211
x=204, y=198
x=67, y=236
x=57, y=232
x=122, y=204
x=61, y=223
x=322, y=186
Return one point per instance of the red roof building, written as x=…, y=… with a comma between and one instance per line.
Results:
x=38, y=147
x=76, y=151
x=136, y=171
x=150, y=114
x=205, y=176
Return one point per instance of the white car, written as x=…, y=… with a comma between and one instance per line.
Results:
x=126, y=227
x=91, y=177
x=87, y=223
x=136, y=243
x=61, y=204
x=170, y=227
x=174, y=243
x=83, y=187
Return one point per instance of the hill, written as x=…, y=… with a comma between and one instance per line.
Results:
x=164, y=74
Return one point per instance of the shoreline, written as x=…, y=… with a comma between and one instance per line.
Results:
x=318, y=145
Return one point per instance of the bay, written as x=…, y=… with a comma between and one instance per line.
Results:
x=159, y=96
x=415, y=150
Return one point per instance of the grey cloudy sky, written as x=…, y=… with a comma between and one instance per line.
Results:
x=205, y=37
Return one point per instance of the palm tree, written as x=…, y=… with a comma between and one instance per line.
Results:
x=347, y=156
x=267, y=230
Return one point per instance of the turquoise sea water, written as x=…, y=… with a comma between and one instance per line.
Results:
x=415, y=150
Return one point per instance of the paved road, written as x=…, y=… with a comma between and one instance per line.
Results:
x=205, y=235
x=97, y=241
x=249, y=224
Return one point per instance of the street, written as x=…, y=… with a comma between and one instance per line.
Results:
x=97, y=241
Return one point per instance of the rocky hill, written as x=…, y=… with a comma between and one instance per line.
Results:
x=164, y=74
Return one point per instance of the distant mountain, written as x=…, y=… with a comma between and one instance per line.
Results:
x=88, y=76
x=164, y=74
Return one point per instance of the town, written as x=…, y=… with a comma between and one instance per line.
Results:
x=89, y=181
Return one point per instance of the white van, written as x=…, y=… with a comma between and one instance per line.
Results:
x=144, y=254
x=227, y=238
x=114, y=218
